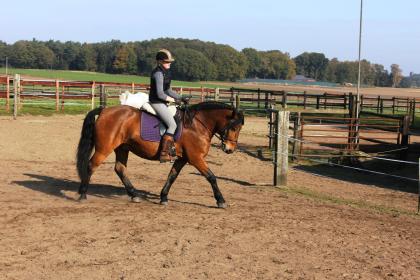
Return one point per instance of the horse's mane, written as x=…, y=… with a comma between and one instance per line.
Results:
x=210, y=105
x=191, y=110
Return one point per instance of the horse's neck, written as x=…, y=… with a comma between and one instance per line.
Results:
x=212, y=119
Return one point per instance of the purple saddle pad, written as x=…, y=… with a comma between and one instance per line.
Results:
x=150, y=128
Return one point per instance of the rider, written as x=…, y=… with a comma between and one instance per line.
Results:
x=160, y=96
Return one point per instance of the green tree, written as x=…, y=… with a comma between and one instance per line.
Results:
x=125, y=60
x=277, y=65
x=254, y=62
x=313, y=65
x=231, y=65
x=21, y=55
x=382, y=78
x=43, y=56
x=396, y=75
x=191, y=65
x=85, y=59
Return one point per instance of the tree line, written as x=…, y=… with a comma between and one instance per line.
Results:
x=196, y=60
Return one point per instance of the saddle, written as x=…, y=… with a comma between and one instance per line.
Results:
x=152, y=128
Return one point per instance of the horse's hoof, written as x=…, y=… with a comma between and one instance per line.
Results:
x=164, y=203
x=136, y=199
x=221, y=205
x=82, y=198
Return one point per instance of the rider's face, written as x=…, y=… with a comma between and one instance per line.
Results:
x=166, y=65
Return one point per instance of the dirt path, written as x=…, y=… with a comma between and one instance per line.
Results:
x=318, y=228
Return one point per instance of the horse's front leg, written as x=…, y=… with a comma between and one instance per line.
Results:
x=173, y=174
x=202, y=166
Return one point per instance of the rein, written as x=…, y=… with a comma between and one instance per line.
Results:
x=222, y=134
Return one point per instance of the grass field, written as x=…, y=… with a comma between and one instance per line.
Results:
x=95, y=76
x=47, y=107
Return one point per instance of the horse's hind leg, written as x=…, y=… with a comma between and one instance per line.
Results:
x=173, y=174
x=121, y=170
x=94, y=162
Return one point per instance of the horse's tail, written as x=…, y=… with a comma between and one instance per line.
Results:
x=86, y=143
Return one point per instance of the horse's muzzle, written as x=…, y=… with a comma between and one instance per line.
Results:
x=226, y=149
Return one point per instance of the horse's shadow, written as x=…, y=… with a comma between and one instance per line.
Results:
x=58, y=187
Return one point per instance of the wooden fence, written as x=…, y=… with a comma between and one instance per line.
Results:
x=264, y=99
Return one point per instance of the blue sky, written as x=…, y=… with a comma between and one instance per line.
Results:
x=391, y=29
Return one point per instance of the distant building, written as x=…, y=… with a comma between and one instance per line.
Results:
x=301, y=78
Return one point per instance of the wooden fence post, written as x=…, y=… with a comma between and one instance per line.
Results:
x=413, y=112
x=382, y=106
x=345, y=101
x=216, y=94
x=304, y=100
x=325, y=100
x=16, y=95
x=93, y=95
x=296, y=135
x=202, y=94
x=405, y=137
x=393, y=105
x=282, y=150
x=259, y=97
x=57, y=95
x=284, y=99
x=102, y=96
x=132, y=89
x=7, y=94
x=62, y=98
x=353, y=130
x=271, y=128
x=237, y=101
x=418, y=194
x=266, y=101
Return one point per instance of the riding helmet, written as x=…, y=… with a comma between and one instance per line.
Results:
x=164, y=55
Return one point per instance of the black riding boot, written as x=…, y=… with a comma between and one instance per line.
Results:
x=167, y=151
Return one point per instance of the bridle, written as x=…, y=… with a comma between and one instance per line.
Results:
x=223, y=134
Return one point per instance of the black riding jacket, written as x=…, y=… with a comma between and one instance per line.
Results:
x=160, y=86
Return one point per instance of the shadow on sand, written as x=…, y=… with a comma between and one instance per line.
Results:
x=58, y=187
x=359, y=177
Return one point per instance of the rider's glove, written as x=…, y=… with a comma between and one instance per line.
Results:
x=185, y=99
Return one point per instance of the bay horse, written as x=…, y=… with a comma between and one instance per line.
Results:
x=117, y=129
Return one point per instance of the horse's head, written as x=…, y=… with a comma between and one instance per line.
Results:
x=230, y=132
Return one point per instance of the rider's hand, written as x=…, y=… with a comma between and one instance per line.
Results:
x=170, y=99
x=185, y=99
x=178, y=102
